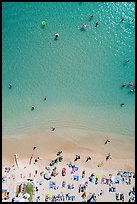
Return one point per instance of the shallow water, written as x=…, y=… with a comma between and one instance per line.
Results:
x=80, y=73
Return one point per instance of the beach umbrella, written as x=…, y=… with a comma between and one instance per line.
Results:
x=113, y=178
x=49, y=195
x=3, y=194
x=89, y=196
x=64, y=169
x=98, y=176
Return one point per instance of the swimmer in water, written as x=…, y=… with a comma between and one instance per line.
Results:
x=108, y=157
x=32, y=108
x=127, y=60
x=96, y=24
x=10, y=86
x=88, y=158
x=132, y=90
x=45, y=98
x=122, y=19
x=84, y=25
x=56, y=36
x=122, y=104
x=124, y=84
x=90, y=17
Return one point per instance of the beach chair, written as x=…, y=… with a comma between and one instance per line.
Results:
x=75, y=178
x=117, y=196
x=122, y=197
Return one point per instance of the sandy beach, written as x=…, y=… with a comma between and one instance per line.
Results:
x=72, y=142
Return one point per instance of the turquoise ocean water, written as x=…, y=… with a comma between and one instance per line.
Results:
x=80, y=73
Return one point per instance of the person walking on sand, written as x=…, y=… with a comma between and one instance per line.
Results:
x=107, y=141
x=52, y=129
x=108, y=157
x=88, y=158
x=77, y=157
x=83, y=174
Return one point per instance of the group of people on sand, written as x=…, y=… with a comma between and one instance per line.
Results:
x=51, y=172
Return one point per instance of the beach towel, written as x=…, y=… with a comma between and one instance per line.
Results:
x=52, y=163
x=3, y=180
x=117, y=180
x=60, y=159
x=63, y=184
x=59, y=153
x=98, y=176
x=63, y=171
x=100, y=165
x=52, y=185
x=75, y=168
x=93, y=180
x=4, y=192
x=75, y=178
x=72, y=172
x=71, y=198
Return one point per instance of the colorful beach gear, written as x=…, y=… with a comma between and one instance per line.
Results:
x=75, y=178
